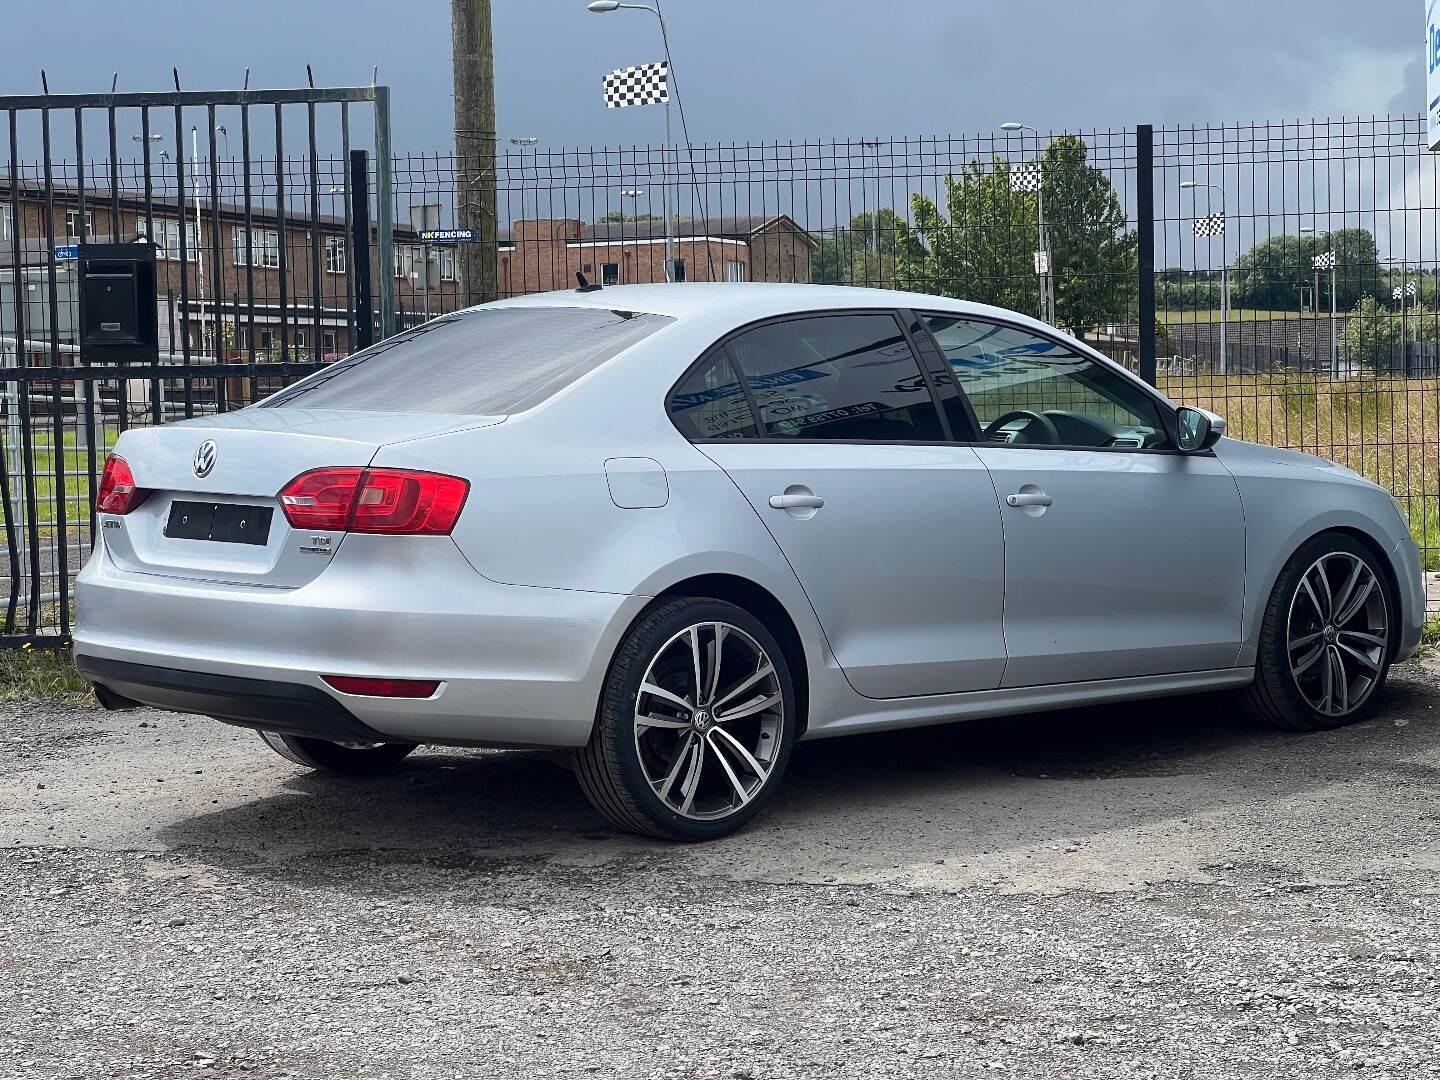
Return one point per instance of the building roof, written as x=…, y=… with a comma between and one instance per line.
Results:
x=724, y=227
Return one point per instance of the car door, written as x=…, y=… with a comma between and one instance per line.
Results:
x=1122, y=556
x=832, y=434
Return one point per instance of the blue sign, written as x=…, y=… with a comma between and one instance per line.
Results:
x=1432, y=75
x=447, y=236
x=67, y=252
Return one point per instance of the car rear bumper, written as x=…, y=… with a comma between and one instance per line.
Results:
x=518, y=666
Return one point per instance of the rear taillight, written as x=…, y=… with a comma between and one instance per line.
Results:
x=406, y=688
x=118, y=493
x=392, y=501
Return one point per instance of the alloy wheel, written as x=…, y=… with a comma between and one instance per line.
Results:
x=1337, y=634
x=710, y=717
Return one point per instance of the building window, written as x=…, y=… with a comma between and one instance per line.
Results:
x=609, y=273
x=264, y=247
x=267, y=339
x=166, y=237
x=335, y=255
x=734, y=270
x=72, y=225
x=449, y=270
x=679, y=271
x=4, y=226
x=407, y=257
x=302, y=339
x=332, y=343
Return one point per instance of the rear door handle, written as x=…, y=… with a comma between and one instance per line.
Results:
x=1028, y=498
x=796, y=502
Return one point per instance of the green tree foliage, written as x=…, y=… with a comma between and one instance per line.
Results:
x=1372, y=334
x=865, y=252
x=980, y=247
x=618, y=216
x=1273, y=272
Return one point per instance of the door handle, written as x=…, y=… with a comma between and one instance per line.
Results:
x=1028, y=498
x=796, y=502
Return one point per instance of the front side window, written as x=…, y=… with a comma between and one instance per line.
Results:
x=1028, y=390
x=847, y=377
x=476, y=363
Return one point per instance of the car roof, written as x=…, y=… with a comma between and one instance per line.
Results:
x=748, y=301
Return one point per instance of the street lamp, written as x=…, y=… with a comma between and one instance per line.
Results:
x=1190, y=185
x=524, y=140
x=601, y=7
x=1042, y=255
x=1328, y=259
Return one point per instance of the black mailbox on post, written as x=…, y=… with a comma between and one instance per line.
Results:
x=118, y=320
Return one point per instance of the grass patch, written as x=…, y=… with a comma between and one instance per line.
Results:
x=1210, y=315
x=33, y=675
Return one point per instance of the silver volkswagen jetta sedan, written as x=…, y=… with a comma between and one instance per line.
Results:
x=676, y=528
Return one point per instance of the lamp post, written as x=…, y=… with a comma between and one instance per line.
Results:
x=1330, y=260
x=1047, y=298
x=602, y=7
x=1190, y=185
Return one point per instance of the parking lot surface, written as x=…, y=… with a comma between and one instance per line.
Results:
x=1155, y=890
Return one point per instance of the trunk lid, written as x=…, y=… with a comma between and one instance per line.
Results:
x=256, y=453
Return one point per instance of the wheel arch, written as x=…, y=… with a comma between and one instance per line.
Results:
x=765, y=606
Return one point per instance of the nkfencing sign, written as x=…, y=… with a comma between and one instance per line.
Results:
x=447, y=236
x=1432, y=79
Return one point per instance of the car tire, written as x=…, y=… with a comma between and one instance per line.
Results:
x=339, y=759
x=685, y=747
x=1326, y=639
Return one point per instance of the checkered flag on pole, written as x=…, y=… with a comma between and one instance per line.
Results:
x=1213, y=225
x=1324, y=261
x=1027, y=176
x=1408, y=292
x=642, y=84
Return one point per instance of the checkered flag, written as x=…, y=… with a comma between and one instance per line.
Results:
x=1408, y=292
x=1214, y=225
x=643, y=84
x=1027, y=176
x=1323, y=261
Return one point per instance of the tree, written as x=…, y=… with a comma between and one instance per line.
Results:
x=1372, y=334
x=618, y=216
x=1092, y=253
x=865, y=252
x=1273, y=272
x=981, y=246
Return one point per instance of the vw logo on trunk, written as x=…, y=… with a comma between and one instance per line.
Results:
x=205, y=458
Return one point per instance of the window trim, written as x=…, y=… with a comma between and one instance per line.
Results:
x=723, y=343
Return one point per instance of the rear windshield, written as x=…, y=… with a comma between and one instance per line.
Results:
x=482, y=363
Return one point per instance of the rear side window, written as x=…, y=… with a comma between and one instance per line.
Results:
x=837, y=377
x=481, y=363
x=709, y=404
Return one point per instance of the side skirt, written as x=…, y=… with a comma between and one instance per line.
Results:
x=920, y=712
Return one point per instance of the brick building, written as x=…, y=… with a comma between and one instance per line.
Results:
x=304, y=329
x=544, y=254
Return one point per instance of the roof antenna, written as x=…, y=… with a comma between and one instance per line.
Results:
x=585, y=285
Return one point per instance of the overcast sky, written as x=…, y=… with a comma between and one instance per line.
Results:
x=768, y=69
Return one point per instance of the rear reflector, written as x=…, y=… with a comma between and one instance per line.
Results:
x=403, y=688
x=392, y=501
x=118, y=493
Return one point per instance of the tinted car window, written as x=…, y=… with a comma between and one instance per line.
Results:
x=1030, y=390
x=484, y=362
x=709, y=404
x=837, y=377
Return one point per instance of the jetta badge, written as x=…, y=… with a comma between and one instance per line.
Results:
x=205, y=458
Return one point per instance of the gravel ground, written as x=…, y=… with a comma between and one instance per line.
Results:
x=1153, y=891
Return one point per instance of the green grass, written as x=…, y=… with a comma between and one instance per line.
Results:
x=1207, y=315
x=76, y=466
x=33, y=675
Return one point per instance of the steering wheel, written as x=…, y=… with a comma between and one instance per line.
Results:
x=1052, y=433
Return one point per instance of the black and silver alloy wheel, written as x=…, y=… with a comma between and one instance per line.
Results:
x=1337, y=633
x=709, y=718
x=695, y=723
x=1325, y=639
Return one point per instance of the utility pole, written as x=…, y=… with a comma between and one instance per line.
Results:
x=474, y=63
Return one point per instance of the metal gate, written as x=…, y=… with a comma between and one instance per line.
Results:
x=264, y=264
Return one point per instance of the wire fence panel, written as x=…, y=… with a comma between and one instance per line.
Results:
x=1289, y=268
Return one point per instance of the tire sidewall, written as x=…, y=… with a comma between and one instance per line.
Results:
x=622, y=686
x=1274, y=641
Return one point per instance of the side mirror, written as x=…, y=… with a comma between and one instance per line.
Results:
x=1199, y=429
